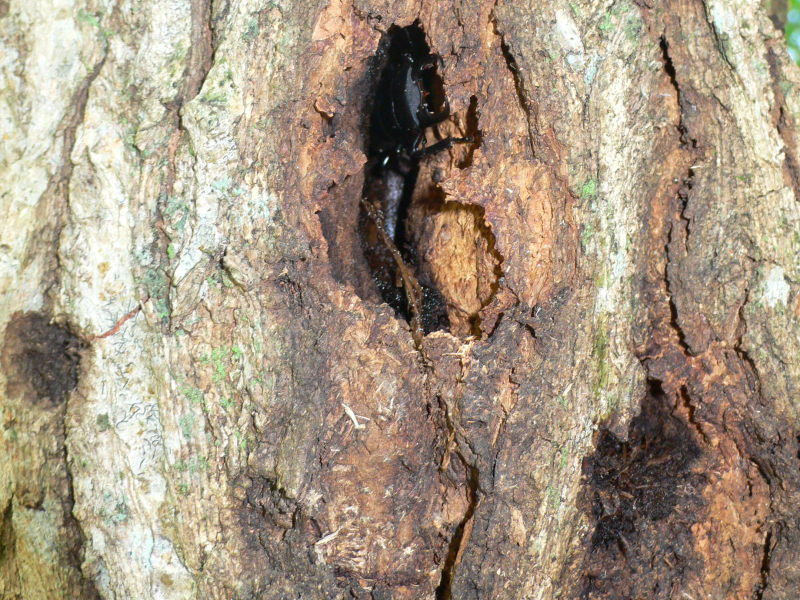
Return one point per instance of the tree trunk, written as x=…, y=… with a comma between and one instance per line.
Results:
x=206, y=396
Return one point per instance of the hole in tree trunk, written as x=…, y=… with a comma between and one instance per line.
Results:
x=432, y=259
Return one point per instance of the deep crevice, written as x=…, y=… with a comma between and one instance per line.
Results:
x=201, y=53
x=73, y=527
x=199, y=62
x=719, y=42
x=58, y=184
x=766, y=557
x=80, y=100
x=683, y=396
x=511, y=64
x=472, y=131
x=460, y=538
x=679, y=230
x=400, y=212
x=669, y=68
x=673, y=312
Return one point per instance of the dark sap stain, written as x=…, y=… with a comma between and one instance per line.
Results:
x=41, y=359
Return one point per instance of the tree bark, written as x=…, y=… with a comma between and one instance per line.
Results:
x=205, y=396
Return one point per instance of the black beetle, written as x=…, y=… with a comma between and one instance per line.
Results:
x=408, y=100
x=402, y=111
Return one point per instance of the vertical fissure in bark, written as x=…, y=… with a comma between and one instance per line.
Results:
x=785, y=124
x=683, y=395
x=460, y=538
x=673, y=312
x=199, y=61
x=73, y=529
x=198, y=65
x=201, y=51
x=758, y=593
x=678, y=230
x=60, y=180
x=473, y=131
x=58, y=186
x=719, y=41
x=519, y=87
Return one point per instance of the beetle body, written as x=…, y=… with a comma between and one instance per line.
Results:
x=402, y=110
x=408, y=100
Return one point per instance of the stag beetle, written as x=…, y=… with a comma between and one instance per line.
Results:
x=408, y=100
x=402, y=112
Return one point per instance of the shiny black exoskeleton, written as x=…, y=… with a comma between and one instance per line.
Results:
x=409, y=99
x=403, y=107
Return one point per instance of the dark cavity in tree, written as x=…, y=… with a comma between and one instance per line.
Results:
x=408, y=99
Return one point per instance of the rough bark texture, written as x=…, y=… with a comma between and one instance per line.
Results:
x=204, y=396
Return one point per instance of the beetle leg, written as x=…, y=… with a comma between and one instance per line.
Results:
x=439, y=146
x=428, y=118
x=431, y=64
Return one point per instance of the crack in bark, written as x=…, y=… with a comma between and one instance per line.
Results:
x=719, y=42
x=70, y=128
x=681, y=227
x=201, y=55
x=784, y=123
x=59, y=182
x=198, y=65
x=58, y=185
x=460, y=537
x=758, y=593
x=71, y=523
x=685, y=400
x=511, y=64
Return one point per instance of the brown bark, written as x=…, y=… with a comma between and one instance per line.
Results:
x=612, y=412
